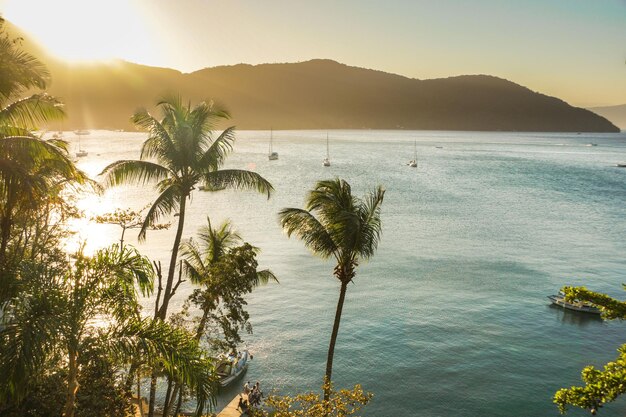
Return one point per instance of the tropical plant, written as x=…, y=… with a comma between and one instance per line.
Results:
x=29, y=166
x=225, y=268
x=68, y=308
x=180, y=154
x=337, y=224
x=340, y=403
x=604, y=386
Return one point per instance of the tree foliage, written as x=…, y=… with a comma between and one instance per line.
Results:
x=601, y=386
x=340, y=403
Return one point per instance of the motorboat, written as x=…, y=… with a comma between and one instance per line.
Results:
x=581, y=306
x=272, y=156
x=231, y=366
x=620, y=165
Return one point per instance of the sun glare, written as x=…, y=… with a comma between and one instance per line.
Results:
x=79, y=30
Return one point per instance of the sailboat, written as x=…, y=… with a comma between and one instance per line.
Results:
x=413, y=163
x=327, y=159
x=80, y=152
x=272, y=156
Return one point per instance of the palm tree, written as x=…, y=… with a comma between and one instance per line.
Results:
x=180, y=154
x=337, y=224
x=29, y=166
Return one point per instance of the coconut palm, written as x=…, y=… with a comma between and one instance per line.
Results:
x=180, y=154
x=337, y=224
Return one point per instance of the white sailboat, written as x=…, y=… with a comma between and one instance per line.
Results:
x=326, y=162
x=272, y=156
x=81, y=153
x=413, y=163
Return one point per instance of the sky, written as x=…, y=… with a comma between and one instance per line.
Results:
x=572, y=49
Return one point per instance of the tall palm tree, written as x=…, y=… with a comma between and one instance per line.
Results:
x=337, y=224
x=180, y=154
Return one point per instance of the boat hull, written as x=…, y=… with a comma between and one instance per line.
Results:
x=236, y=369
x=575, y=306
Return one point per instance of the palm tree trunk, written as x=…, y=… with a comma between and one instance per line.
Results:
x=202, y=324
x=72, y=385
x=153, y=381
x=172, y=268
x=179, y=404
x=333, y=340
x=170, y=405
x=168, y=393
x=6, y=222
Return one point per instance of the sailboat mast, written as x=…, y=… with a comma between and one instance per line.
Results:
x=327, y=154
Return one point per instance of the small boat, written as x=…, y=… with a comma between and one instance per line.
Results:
x=592, y=144
x=272, y=156
x=81, y=152
x=230, y=367
x=620, y=165
x=413, y=163
x=326, y=161
x=82, y=132
x=582, y=306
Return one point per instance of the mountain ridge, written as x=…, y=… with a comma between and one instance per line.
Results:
x=313, y=94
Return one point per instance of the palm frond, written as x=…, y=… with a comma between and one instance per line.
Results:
x=138, y=172
x=265, y=276
x=165, y=203
x=19, y=70
x=307, y=228
x=159, y=144
x=29, y=112
x=239, y=179
x=371, y=226
x=214, y=157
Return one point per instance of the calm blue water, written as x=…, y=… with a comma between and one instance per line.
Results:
x=450, y=317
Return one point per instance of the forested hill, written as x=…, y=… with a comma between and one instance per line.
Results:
x=316, y=94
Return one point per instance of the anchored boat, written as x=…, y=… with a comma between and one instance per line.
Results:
x=230, y=367
x=582, y=306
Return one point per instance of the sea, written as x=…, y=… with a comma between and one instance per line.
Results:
x=450, y=316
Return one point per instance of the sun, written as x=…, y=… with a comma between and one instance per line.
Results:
x=80, y=30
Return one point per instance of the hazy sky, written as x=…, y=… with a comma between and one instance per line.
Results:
x=573, y=49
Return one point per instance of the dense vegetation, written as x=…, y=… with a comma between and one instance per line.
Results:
x=74, y=340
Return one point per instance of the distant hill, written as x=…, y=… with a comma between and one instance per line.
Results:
x=615, y=114
x=317, y=94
